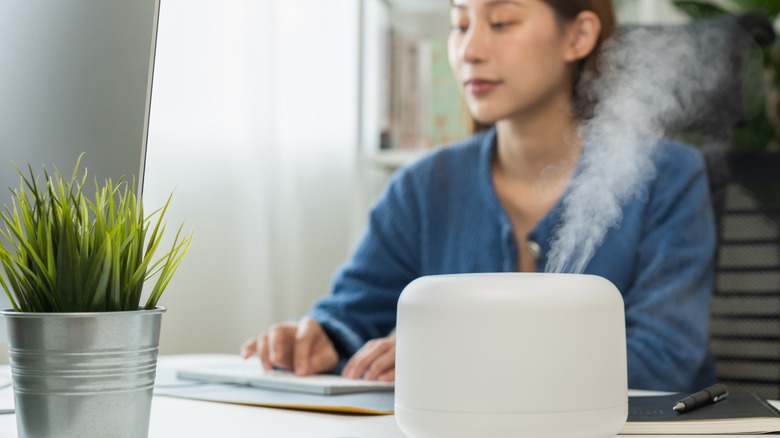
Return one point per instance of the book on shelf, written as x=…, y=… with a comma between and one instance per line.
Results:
x=740, y=413
x=424, y=108
x=408, y=69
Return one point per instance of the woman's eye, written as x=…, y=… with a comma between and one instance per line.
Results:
x=460, y=27
x=498, y=25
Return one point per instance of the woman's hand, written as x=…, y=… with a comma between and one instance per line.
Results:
x=375, y=361
x=302, y=347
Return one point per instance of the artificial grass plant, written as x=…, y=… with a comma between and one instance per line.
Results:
x=64, y=252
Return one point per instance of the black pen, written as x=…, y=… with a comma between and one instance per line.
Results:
x=714, y=393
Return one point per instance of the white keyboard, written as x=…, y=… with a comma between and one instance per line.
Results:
x=252, y=374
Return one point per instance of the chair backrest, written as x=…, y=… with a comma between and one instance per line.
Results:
x=745, y=323
x=745, y=320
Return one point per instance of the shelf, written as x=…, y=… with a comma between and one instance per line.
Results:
x=394, y=159
x=419, y=5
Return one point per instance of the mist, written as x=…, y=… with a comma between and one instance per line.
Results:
x=652, y=81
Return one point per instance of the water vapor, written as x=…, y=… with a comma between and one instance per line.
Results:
x=652, y=80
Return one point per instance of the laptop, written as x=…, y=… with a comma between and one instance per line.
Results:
x=252, y=374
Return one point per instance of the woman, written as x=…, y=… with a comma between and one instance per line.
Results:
x=491, y=202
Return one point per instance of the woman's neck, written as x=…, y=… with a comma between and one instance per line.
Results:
x=546, y=145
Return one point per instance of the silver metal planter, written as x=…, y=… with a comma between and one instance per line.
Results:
x=83, y=374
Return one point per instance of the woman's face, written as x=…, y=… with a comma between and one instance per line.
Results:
x=509, y=57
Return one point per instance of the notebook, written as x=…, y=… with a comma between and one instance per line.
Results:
x=251, y=374
x=740, y=413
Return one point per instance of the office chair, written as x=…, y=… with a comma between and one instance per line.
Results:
x=745, y=322
x=745, y=187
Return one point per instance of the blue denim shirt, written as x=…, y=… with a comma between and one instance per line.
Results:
x=442, y=215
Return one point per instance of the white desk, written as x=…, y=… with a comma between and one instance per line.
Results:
x=174, y=417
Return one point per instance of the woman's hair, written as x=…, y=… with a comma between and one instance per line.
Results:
x=586, y=69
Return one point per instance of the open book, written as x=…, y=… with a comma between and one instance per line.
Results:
x=740, y=413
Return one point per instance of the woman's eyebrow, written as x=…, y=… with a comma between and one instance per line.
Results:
x=500, y=2
x=491, y=3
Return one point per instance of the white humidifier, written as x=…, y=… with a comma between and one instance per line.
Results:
x=511, y=355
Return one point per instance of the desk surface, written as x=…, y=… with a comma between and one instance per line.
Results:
x=174, y=417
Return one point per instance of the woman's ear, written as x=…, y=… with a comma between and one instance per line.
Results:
x=582, y=33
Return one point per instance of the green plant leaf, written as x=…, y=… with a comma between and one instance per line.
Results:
x=4, y=284
x=770, y=8
x=172, y=261
x=699, y=9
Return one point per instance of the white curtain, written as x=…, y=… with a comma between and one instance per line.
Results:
x=254, y=124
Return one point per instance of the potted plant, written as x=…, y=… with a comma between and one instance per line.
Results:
x=83, y=349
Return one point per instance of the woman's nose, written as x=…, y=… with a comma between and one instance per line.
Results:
x=473, y=47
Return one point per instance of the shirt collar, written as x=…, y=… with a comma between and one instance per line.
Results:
x=544, y=230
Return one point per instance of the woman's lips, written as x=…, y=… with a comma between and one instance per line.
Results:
x=480, y=87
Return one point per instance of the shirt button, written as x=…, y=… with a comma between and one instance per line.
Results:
x=533, y=248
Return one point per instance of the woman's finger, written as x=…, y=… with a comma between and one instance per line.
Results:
x=357, y=366
x=314, y=352
x=262, y=352
x=389, y=376
x=248, y=348
x=281, y=342
x=383, y=364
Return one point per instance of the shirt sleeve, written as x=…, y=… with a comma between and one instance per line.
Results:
x=668, y=305
x=365, y=291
